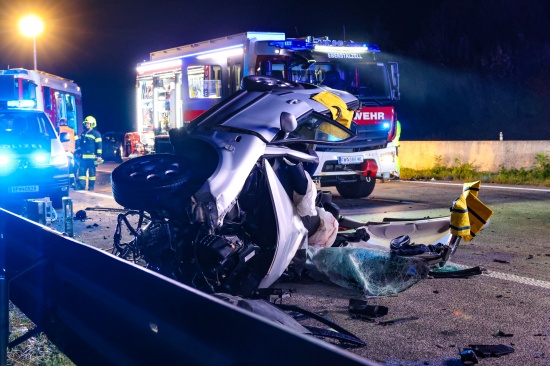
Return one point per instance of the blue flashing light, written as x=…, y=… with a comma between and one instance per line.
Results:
x=14, y=72
x=292, y=44
x=371, y=46
x=386, y=125
x=26, y=103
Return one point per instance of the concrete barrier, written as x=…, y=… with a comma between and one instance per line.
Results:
x=485, y=155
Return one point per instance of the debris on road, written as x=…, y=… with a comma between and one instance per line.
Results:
x=399, y=320
x=499, y=333
x=360, y=307
x=374, y=272
x=495, y=350
x=80, y=215
x=442, y=272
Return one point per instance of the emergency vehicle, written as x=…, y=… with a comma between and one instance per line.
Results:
x=178, y=84
x=38, y=90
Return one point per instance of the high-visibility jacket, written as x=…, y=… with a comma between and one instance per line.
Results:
x=90, y=144
x=69, y=146
x=397, y=134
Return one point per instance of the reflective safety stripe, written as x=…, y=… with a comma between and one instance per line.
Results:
x=468, y=213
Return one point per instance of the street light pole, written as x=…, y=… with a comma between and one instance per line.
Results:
x=34, y=39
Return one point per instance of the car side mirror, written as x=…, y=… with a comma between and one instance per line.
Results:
x=64, y=137
x=288, y=123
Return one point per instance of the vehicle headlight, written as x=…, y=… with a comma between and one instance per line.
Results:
x=4, y=160
x=59, y=159
x=41, y=158
x=387, y=157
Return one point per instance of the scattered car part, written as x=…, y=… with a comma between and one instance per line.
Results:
x=80, y=215
x=494, y=350
x=499, y=333
x=361, y=307
x=335, y=332
x=468, y=357
x=464, y=273
x=399, y=320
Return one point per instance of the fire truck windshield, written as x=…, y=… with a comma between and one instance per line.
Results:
x=366, y=80
x=370, y=81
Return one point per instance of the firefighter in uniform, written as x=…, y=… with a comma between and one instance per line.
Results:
x=90, y=146
x=68, y=146
x=395, y=175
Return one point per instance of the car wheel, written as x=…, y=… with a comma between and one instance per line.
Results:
x=361, y=188
x=152, y=182
x=266, y=83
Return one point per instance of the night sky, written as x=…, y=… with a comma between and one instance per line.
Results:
x=464, y=64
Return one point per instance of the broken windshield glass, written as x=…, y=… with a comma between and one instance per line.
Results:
x=372, y=271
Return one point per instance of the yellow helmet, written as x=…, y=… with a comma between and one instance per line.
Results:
x=91, y=120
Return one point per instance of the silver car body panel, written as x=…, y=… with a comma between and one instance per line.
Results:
x=238, y=153
x=291, y=231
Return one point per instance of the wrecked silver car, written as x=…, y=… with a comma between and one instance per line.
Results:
x=234, y=208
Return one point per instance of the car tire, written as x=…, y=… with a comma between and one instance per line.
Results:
x=361, y=188
x=152, y=182
x=267, y=83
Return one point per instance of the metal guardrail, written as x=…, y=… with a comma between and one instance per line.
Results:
x=99, y=309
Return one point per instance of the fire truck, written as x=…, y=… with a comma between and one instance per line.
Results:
x=32, y=89
x=178, y=84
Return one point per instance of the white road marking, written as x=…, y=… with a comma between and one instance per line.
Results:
x=510, y=277
x=484, y=186
x=518, y=279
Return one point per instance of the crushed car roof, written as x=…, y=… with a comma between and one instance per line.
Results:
x=260, y=111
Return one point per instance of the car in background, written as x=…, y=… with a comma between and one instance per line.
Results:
x=33, y=163
x=113, y=146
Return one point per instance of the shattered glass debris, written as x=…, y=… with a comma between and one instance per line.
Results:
x=454, y=271
x=374, y=272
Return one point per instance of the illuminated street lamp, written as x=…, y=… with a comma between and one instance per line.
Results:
x=31, y=26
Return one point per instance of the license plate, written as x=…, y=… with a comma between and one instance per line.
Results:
x=24, y=189
x=350, y=159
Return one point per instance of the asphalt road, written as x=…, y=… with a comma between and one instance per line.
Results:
x=436, y=318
